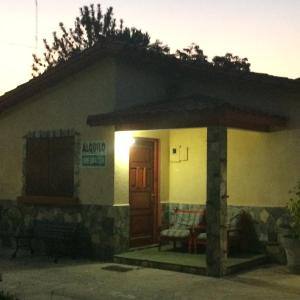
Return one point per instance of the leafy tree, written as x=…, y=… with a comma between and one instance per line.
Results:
x=92, y=27
x=231, y=63
x=193, y=54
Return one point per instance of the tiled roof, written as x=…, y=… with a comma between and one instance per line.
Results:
x=192, y=111
x=131, y=55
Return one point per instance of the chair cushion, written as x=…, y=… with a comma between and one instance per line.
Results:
x=202, y=236
x=175, y=232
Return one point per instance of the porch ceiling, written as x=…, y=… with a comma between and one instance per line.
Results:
x=188, y=112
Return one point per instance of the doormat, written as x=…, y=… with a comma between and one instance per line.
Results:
x=117, y=268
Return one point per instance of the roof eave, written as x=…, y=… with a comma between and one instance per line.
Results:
x=190, y=119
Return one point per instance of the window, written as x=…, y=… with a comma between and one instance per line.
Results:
x=49, y=166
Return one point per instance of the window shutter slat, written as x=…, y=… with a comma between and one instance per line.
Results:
x=61, y=168
x=37, y=166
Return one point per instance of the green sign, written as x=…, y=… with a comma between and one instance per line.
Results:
x=93, y=154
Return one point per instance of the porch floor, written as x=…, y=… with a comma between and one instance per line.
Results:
x=168, y=259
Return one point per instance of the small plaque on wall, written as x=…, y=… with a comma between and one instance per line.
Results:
x=93, y=154
x=183, y=153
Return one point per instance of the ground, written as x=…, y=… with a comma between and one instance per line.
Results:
x=39, y=278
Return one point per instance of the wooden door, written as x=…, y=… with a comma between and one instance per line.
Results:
x=143, y=192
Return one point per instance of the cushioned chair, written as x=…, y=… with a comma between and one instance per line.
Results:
x=182, y=228
x=235, y=234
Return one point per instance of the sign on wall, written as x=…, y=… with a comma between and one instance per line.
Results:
x=93, y=154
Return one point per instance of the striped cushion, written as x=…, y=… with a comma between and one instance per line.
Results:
x=202, y=236
x=186, y=218
x=175, y=232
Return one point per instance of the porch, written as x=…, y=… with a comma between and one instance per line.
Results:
x=185, y=262
x=206, y=152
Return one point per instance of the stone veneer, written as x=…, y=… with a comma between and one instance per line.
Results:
x=266, y=223
x=216, y=202
x=105, y=229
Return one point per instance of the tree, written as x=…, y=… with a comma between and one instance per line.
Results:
x=90, y=27
x=192, y=54
x=231, y=63
x=93, y=27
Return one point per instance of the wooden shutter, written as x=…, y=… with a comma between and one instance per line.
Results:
x=50, y=166
x=61, y=166
x=37, y=166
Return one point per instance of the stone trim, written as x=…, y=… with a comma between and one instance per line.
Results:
x=105, y=229
x=48, y=134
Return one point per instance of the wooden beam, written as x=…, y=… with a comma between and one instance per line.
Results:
x=189, y=119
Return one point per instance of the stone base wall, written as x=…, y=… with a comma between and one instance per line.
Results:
x=105, y=228
x=266, y=225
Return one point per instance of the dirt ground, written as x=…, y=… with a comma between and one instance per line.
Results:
x=39, y=278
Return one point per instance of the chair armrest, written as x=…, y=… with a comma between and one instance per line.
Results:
x=198, y=229
x=164, y=226
x=233, y=230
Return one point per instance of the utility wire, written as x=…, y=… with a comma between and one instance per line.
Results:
x=36, y=25
x=12, y=44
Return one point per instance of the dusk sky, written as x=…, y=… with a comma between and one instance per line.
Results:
x=265, y=31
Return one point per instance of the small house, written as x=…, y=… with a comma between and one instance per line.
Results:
x=117, y=137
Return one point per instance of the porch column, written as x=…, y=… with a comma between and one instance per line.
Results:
x=216, y=251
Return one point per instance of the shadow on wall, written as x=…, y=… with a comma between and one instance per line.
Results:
x=247, y=235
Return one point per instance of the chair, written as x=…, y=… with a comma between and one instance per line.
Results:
x=236, y=238
x=182, y=228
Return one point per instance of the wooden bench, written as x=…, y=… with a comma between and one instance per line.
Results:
x=59, y=238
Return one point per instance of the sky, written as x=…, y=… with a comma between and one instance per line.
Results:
x=267, y=32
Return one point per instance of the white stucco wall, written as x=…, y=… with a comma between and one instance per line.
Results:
x=262, y=167
x=188, y=178
x=65, y=106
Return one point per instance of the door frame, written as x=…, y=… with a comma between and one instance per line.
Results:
x=156, y=190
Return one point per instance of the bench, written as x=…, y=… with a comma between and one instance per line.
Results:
x=59, y=238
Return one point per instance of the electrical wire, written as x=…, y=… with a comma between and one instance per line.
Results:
x=12, y=44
